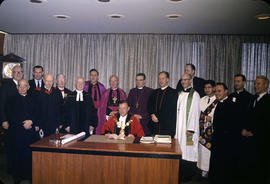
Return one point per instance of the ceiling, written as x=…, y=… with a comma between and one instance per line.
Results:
x=140, y=16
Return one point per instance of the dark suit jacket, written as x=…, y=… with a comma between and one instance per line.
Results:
x=8, y=90
x=33, y=85
x=198, y=85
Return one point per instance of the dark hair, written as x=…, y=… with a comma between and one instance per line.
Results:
x=123, y=101
x=211, y=82
x=241, y=75
x=141, y=74
x=222, y=84
x=94, y=70
x=38, y=66
x=192, y=66
x=166, y=73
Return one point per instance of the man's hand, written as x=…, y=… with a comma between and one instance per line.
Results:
x=246, y=133
x=67, y=129
x=5, y=125
x=91, y=130
x=138, y=116
x=27, y=124
x=154, y=118
x=60, y=126
x=131, y=135
x=36, y=128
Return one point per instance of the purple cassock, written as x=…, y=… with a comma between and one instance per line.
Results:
x=95, y=92
x=109, y=102
x=138, y=100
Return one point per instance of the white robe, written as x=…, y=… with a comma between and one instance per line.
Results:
x=189, y=153
x=204, y=153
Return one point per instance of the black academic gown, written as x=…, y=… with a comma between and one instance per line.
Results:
x=163, y=105
x=8, y=89
x=259, y=125
x=33, y=86
x=49, y=110
x=63, y=113
x=80, y=114
x=198, y=85
x=226, y=141
x=21, y=108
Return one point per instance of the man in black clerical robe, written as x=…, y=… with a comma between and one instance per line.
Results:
x=80, y=111
x=162, y=107
x=48, y=101
x=60, y=87
x=21, y=113
x=226, y=139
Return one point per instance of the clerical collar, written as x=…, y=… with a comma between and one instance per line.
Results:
x=223, y=99
x=79, y=91
x=260, y=96
x=114, y=89
x=187, y=90
x=16, y=82
x=240, y=91
x=61, y=89
x=23, y=95
x=140, y=87
x=164, y=88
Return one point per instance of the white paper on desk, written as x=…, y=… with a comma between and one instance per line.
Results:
x=72, y=138
x=66, y=136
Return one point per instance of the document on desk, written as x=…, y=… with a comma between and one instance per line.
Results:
x=103, y=139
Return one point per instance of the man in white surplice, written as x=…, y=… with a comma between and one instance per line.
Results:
x=208, y=105
x=187, y=127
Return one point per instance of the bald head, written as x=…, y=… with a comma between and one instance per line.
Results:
x=23, y=87
x=48, y=81
x=79, y=83
x=114, y=81
x=186, y=80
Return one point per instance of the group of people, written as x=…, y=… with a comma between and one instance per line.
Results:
x=216, y=131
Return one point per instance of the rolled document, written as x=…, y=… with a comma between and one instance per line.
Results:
x=72, y=138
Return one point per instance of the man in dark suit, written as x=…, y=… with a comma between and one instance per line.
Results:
x=21, y=117
x=9, y=89
x=197, y=83
x=259, y=127
x=81, y=114
x=37, y=81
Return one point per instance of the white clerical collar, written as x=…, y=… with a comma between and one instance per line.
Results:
x=223, y=99
x=60, y=88
x=260, y=96
x=79, y=91
x=140, y=87
x=16, y=82
x=239, y=91
x=24, y=95
x=114, y=89
x=164, y=88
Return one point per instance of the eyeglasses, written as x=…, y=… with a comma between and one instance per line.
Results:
x=17, y=72
x=139, y=80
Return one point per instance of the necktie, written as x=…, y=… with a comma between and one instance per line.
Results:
x=208, y=100
x=38, y=84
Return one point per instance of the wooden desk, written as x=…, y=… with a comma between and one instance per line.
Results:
x=102, y=163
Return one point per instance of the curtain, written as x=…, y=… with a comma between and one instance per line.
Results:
x=216, y=57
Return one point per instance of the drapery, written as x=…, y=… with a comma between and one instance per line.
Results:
x=216, y=57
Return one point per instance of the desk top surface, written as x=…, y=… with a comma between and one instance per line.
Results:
x=114, y=148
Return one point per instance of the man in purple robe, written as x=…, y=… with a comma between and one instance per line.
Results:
x=109, y=102
x=94, y=88
x=138, y=100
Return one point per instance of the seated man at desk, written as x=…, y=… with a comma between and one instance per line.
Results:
x=123, y=124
